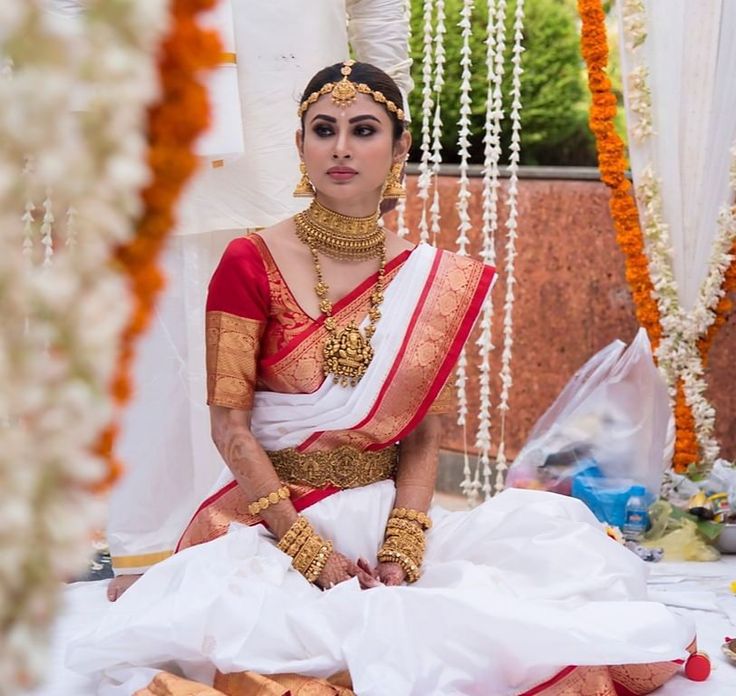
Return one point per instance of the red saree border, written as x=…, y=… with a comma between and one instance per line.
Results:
x=453, y=353
x=550, y=682
x=402, y=350
x=341, y=304
x=300, y=503
x=620, y=689
x=374, y=432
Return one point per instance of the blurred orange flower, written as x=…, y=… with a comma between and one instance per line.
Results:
x=174, y=123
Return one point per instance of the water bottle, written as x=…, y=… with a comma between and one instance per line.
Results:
x=636, y=515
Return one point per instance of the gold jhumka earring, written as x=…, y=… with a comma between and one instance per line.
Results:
x=304, y=188
x=394, y=188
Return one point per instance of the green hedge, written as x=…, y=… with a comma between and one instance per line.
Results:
x=554, y=94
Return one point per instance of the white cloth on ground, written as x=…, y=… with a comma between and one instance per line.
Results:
x=512, y=591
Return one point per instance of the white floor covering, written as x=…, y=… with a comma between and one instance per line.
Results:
x=698, y=589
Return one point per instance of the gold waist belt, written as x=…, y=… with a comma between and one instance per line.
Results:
x=344, y=467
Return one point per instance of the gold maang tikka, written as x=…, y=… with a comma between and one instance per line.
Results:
x=344, y=92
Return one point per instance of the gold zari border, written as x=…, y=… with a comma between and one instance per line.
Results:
x=232, y=344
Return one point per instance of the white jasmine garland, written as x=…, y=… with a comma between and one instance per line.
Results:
x=640, y=102
x=463, y=195
x=511, y=236
x=63, y=305
x=425, y=172
x=439, y=82
x=635, y=23
x=495, y=45
x=677, y=354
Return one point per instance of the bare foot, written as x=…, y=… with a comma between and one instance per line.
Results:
x=119, y=584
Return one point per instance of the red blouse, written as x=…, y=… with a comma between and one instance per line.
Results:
x=258, y=337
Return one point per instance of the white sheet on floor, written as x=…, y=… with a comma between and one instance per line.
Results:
x=549, y=595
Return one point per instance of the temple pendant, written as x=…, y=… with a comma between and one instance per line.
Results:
x=347, y=355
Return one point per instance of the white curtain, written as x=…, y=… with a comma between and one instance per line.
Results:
x=690, y=51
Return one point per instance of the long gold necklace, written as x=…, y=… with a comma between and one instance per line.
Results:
x=340, y=236
x=347, y=353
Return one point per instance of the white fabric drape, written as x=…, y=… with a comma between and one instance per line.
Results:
x=690, y=51
x=169, y=460
x=280, y=44
x=511, y=592
x=224, y=137
x=286, y=420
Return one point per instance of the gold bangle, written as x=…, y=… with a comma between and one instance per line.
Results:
x=411, y=569
x=417, y=516
x=266, y=501
x=319, y=563
x=293, y=532
x=302, y=539
x=406, y=547
x=396, y=525
x=307, y=553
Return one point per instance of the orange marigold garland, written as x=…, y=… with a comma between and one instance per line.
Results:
x=175, y=121
x=613, y=165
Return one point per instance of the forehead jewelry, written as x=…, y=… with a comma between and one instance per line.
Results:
x=345, y=91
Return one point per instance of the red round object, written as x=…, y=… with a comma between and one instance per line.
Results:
x=697, y=667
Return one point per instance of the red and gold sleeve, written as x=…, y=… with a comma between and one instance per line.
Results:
x=238, y=303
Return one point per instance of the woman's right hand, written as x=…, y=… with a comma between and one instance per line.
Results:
x=340, y=568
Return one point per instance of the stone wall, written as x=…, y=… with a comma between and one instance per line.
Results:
x=571, y=301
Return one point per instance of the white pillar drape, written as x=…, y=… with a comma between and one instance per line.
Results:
x=690, y=54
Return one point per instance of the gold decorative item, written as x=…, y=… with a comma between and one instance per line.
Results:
x=258, y=506
x=338, y=236
x=729, y=649
x=347, y=353
x=394, y=188
x=343, y=467
x=304, y=188
x=345, y=92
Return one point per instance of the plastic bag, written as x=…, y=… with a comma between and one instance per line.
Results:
x=613, y=419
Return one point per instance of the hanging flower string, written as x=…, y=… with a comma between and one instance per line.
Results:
x=511, y=236
x=681, y=354
x=495, y=45
x=174, y=123
x=439, y=83
x=613, y=166
x=68, y=306
x=425, y=171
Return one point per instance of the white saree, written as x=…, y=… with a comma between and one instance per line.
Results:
x=517, y=596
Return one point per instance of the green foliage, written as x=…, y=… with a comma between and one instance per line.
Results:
x=553, y=91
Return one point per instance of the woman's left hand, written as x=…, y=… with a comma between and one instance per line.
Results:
x=390, y=573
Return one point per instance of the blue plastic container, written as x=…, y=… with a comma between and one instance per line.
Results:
x=606, y=497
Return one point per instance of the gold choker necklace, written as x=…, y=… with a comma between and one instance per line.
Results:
x=340, y=236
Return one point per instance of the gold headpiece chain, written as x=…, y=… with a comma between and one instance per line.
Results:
x=345, y=92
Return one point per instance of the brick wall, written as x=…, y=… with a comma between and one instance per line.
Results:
x=571, y=301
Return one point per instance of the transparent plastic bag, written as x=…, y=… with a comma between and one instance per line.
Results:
x=612, y=420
